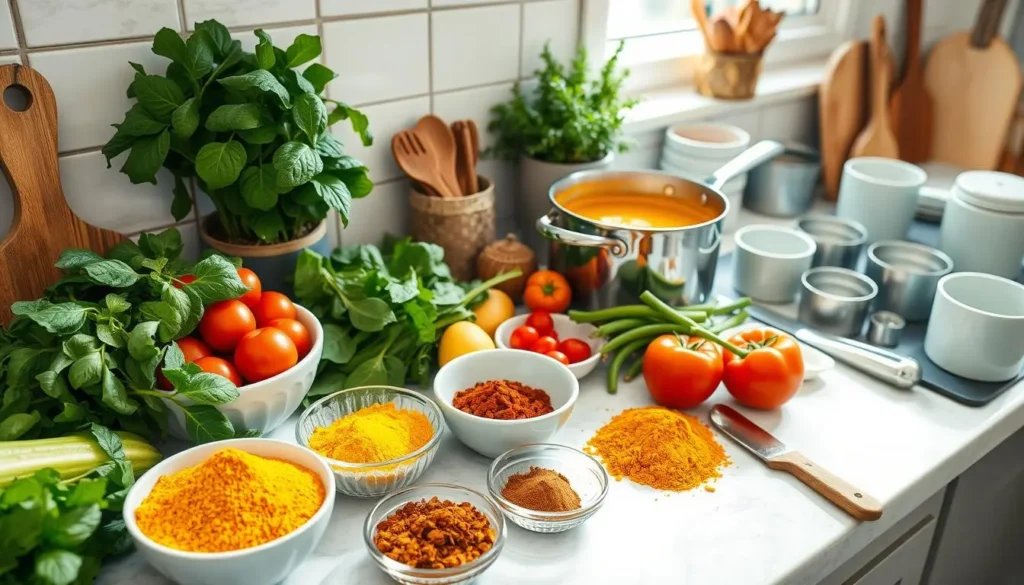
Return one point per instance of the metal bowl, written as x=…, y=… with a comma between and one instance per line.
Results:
x=836, y=300
x=906, y=274
x=840, y=241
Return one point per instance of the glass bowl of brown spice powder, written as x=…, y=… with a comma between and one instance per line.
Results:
x=546, y=487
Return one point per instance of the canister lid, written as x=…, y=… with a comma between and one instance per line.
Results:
x=991, y=190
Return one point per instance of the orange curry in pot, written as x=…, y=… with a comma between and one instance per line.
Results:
x=634, y=210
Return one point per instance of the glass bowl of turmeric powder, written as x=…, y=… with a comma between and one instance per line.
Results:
x=376, y=439
x=547, y=488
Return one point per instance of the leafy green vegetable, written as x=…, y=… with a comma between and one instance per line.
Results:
x=568, y=120
x=252, y=129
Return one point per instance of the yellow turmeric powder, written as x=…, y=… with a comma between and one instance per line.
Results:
x=658, y=447
x=373, y=434
x=231, y=501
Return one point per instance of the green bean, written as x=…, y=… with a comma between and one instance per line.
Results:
x=644, y=332
x=734, y=321
x=613, y=369
x=628, y=312
x=618, y=326
x=634, y=369
x=694, y=329
x=732, y=307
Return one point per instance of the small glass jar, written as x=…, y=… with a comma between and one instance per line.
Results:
x=983, y=225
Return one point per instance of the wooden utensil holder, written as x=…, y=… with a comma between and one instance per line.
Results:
x=729, y=76
x=463, y=226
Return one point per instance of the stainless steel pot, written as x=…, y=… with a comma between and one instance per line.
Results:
x=609, y=265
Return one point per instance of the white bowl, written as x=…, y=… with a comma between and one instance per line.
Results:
x=566, y=328
x=491, y=437
x=708, y=140
x=265, y=564
x=265, y=405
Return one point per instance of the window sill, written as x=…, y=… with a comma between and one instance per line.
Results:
x=665, y=107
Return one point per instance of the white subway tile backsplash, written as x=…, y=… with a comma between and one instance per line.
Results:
x=378, y=59
x=249, y=12
x=56, y=22
x=385, y=121
x=458, y=2
x=8, y=40
x=795, y=120
x=282, y=37
x=348, y=7
x=383, y=211
x=475, y=104
x=9, y=59
x=554, y=22
x=475, y=46
x=505, y=175
x=85, y=111
x=106, y=198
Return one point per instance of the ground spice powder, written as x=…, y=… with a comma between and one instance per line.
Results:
x=435, y=534
x=503, y=399
x=658, y=447
x=231, y=501
x=541, y=489
x=377, y=433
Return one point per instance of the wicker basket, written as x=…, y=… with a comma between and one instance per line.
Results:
x=463, y=226
x=726, y=75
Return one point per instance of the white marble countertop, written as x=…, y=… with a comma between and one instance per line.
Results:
x=759, y=527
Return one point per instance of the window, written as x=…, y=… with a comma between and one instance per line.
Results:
x=636, y=18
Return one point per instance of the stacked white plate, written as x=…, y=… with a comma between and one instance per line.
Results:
x=696, y=151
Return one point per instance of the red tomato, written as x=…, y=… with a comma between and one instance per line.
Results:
x=547, y=290
x=558, y=356
x=523, y=337
x=265, y=353
x=770, y=374
x=544, y=344
x=252, y=281
x=182, y=280
x=297, y=332
x=542, y=322
x=221, y=367
x=193, y=349
x=576, y=350
x=682, y=371
x=273, y=305
x=224, y=323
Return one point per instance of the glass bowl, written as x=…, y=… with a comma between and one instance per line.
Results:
x=413, y=576
x=372, y=479
x=586, y=475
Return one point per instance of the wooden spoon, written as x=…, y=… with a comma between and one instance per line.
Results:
x=911, y=103
x=722, y=36
x=412, y=156
x=697, y=7
x=439, y=141
x=878, y=139
x=462, y=157
x=469, y=146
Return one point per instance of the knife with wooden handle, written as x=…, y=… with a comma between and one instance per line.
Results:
x=778, y=456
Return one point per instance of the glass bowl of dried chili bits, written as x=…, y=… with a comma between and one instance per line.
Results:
x=466, y=534
x=546, y=487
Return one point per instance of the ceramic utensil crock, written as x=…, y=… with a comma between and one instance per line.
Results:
x=881, y=195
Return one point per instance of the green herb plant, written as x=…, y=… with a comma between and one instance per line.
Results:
x=250, y=127
x=88, y=351
x=569, y=119
x=382, y=311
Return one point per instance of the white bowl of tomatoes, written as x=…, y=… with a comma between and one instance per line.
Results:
x=266, y=345
x=554, y=335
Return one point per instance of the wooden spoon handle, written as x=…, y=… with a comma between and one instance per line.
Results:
x=880, y=74
x=852, y=500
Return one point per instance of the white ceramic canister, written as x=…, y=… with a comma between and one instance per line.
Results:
x=983, y=225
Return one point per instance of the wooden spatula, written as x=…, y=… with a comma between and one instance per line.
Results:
x=878, y=139
x=911, y=103
x=440, y=144
x=412, y=156
x=842, y=109
x=43, y=225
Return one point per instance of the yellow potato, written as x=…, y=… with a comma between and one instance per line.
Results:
x=494, y=311
x=462, y=338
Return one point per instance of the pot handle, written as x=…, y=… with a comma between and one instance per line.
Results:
x=755, y=155
x=552, y=232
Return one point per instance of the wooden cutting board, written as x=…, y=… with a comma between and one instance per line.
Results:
x=878, y=138
x=974, y=85
x=911, y=103
x=43, y=224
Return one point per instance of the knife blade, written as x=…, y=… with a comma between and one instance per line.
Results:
x=778, y=456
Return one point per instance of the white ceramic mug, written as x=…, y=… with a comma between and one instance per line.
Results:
x=976, y=329
x=769, y=260
x=881, y=195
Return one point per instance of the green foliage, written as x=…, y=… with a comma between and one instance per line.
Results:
x=88, y=351
x=251, y=129
x=568, y=119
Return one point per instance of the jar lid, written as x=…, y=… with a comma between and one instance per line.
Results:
x=992, y=190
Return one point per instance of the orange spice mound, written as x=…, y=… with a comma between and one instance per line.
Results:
x=503, y=399
x=435, y=534
x=231, y=501
x=658, y=447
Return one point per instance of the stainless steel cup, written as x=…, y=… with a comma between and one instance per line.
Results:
x=906, y=274
x=784, y=186
x=840, y=241
x=768, y=261
x=836, y=300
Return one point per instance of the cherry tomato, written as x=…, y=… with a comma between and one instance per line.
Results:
x=576, y=350
x=183, y=279
x=770, y=374
x=265, y=353
x=544, y=344
x=682, y=371
x=297, y=332
x=221, y=367
x=252, y=281
x=273, y=305
x=523, y=337
x=558, y=356
x=193, y=350
x=224, y=323
x=547, y=290
x=542, y=322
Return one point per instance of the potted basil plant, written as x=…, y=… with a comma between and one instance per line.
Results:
x=570, y=123
x=252, y=130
